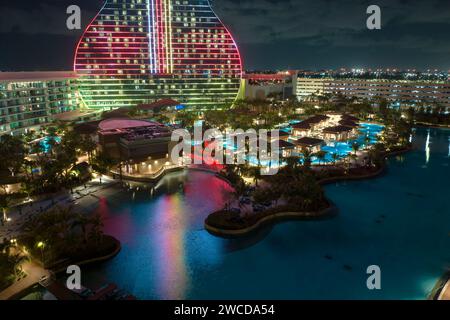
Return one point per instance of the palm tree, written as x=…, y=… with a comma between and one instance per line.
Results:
x=335, y=157
x=83, y=221
x=320, y=155
x=89, y=146
x=255, y=173
x=355, y=147
x=102, y=164
x=306, y=155
x=353, y=157
x=4, y=205
x=96, y=232
x=292, y=162
x=17, y=260
x=239, y=189
x=367, y=140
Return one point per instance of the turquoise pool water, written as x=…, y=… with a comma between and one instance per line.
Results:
x=400, y=221
x=45, y=143
x=368, y=136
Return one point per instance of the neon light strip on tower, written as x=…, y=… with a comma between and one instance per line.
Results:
x=151, y=54
x=170, y=37
x=124, y=57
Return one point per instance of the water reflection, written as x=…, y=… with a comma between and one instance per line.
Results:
x=449, y=146
x=427, y=147
x=169, y=245
x=167, y=254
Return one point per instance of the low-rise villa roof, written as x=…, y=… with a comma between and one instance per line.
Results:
x=114, y=124
x=316, y=119
x=281, y=133
x=337, y=129
x=308, y=142
x=306, y=124
x=349, y=118
x=348, y=123
x=285, y=144
x=302, y=126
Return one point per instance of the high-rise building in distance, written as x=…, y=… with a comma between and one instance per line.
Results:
x=138, y=51
x=406, y=93
x=31, y=99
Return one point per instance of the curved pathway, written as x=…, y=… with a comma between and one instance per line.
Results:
x=34, y=273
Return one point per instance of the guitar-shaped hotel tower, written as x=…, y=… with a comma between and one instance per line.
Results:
x=139, y=51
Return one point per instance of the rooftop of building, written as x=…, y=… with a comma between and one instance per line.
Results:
x=349, y=117
x=316, y=119
x=146, y=133
x=281, y=133
x=163, y=103
x=87, y=127
x=337, y=129
x=302, y=126
x=74, y=115
x=117, y=124
x=309, y=142
x=283, y=144
x=36, y=76
x=348, y=123
x=133, y=130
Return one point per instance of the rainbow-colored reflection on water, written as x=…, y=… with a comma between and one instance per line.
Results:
x=400, y=217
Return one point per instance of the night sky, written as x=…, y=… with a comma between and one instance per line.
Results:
x=271, y=34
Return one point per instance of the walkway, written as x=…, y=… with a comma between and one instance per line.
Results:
x=34, y=273
x=21, y=213
x=445, y=293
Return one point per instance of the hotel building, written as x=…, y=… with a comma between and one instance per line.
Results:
x=260, y=86
x=403, y=92
x=31, y=99
x=139, y=51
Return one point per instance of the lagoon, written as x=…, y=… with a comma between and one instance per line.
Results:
x=400, y=222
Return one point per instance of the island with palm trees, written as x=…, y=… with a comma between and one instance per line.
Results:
x=324, y=148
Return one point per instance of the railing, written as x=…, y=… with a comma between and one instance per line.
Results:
x=151, y=176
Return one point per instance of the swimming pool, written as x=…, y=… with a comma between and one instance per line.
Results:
x=400, y=222
x=45, y=143
x=368, y=135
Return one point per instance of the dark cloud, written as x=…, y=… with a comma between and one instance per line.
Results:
x=271, y=33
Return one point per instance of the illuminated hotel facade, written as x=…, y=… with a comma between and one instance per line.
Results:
x=29, y=100
x=404, y=92
x=139, y=51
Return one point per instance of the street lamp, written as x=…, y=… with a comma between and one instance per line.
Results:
x=41, y=245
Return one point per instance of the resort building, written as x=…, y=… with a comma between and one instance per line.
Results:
x=282, y=135
x=310, y=125
x=29, y=100
x=286, y=148
x=309, y=88
x=133, y=140
x=261, y=86
x=311, y=144
x=137, y=52
x=339, y=133
x=313, y=132
x=400, y=92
